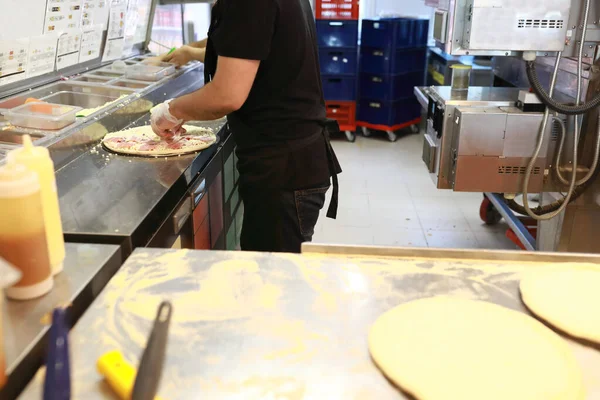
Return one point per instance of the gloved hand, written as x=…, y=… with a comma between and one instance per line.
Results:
x=163, y=123
x=183, y=55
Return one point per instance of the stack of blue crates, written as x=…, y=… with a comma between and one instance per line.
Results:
x=392, y=62
x=338, y=54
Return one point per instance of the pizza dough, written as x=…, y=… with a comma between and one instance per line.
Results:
x=567, y=299
x=142, y=141
x=449, y=348
x=139, y=106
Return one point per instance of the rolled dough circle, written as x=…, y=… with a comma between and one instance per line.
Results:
x=567, y=299
x=450, y=348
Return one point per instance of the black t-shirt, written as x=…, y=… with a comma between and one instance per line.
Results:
x=277, y=130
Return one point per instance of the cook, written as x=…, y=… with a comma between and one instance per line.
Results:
x=262, y=71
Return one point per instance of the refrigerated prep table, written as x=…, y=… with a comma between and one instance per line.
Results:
x=189, y=201
x=260, y=325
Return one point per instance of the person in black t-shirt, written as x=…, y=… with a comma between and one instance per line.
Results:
x=262, y=71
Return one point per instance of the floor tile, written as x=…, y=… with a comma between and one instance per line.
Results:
x=451, y=239
x=494, y=240
x=392, y=236
x=404, y=218
x=431, y=220
x=339, y=234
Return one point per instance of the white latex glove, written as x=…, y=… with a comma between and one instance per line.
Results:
x=163, y=123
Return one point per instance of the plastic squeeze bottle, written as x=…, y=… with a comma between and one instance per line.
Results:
x=22, y=233
x=38, y=160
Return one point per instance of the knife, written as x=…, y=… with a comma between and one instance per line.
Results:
x=151, y=366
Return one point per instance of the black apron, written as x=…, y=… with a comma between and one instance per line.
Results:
x=328, y=125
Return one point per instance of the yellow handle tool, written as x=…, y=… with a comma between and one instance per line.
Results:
x=118, y=373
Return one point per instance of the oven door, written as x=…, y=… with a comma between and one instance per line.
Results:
x=177, y=232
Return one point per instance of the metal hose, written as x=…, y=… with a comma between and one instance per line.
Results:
x=577, y=103
x=538, y=148
x=547, y=99
x=594, y=165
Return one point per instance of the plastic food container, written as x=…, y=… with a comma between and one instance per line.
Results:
x=40, y=115
x=146, y=72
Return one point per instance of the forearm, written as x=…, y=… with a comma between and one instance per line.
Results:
x=206, y=104
x=199, y=54
x=199, y=45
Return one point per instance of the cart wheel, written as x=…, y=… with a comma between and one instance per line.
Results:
x=366, y=132
x=415, y=129
x=488, y=213
x=392, y=136
x=351, y=136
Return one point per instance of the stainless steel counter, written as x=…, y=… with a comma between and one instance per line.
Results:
x=109, y=198
x=256, y=326
x=87, y=269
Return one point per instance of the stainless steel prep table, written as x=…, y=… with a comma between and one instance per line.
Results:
x=87, y=269
x=256, y=326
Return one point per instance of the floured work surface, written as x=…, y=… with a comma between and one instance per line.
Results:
x=256, y=326
x=142, y=141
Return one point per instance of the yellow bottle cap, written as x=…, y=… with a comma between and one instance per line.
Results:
x=27, y=152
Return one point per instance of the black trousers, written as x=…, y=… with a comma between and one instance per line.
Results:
x=280, y=220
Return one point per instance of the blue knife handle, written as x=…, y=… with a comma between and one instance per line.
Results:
x=57, y=384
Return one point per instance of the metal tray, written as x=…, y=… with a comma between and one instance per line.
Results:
x=92, y=78
x=130, y=83
x=106, y=73
x=83, y=100
x=68, y=86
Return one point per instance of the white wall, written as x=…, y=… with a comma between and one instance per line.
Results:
x=416, y=8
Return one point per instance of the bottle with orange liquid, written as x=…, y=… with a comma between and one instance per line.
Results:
x=8, y=276
x=22, y=232
x=38, y=160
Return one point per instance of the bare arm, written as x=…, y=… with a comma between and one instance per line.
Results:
x=199, y=45
x=226, y=93
x=183, y=55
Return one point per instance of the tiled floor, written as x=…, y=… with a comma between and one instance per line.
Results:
x=387, y=198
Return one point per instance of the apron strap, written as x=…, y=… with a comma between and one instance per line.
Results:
x=333, y=204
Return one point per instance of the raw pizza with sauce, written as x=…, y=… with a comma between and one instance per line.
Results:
x=142, y=141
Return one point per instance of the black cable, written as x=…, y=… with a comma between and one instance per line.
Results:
x=553, y=104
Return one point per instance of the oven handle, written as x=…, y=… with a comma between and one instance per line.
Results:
x=198, y=193
x=183, y=213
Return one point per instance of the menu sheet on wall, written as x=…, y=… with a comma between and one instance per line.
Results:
x=21, y=18
x=94, y=12
x=91, y=41
x=41, y=54
x=115, y=39
x=69, y=44
x=13, y=60
x=143, y=11
x=62, y=15
x=131, y=20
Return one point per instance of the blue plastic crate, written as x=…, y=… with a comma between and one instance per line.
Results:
x=420, y=33
x=339, y=87
x=388, y=113
x=391, y=61
x=338, y=61
x=389, y=87
x=337, y=33
x=378, y=32
x=395, y=33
